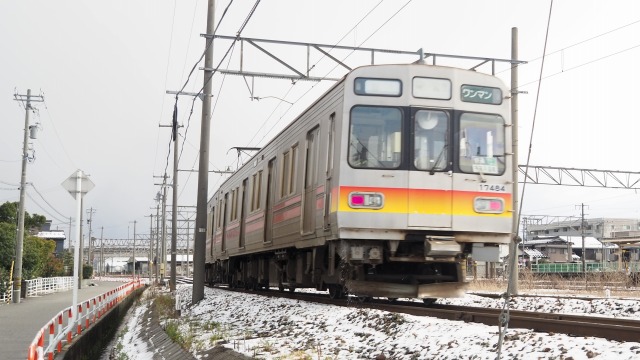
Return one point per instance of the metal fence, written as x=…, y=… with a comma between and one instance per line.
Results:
x=590, y=267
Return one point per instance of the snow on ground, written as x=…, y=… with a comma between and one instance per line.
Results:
x=272, y=328
x=128, y=341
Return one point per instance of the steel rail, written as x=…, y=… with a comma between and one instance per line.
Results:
x=575, y=325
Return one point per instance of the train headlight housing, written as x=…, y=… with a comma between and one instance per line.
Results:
x=488, y=205
x=366, y=200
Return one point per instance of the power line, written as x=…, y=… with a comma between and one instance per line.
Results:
x=42, y=208
x=45, y=200
x=580, y=65
x=578, y=43
x=55, y=131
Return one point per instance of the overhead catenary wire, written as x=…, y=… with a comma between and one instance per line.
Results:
x=239, y=32
x=359, y=45
x=195, y=97
x=313, y=66
x=215, y=104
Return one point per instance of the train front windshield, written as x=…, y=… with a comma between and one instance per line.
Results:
x=377, y=138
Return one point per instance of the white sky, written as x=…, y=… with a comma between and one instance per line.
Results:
x=104, y=67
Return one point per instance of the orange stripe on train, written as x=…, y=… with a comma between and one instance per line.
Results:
x=424, y=201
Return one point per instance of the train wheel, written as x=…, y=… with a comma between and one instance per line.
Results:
x=292, y=289
x=392, y=300
x=429, y=301
x=280, y=287
x=335, y=291
x=364, y=299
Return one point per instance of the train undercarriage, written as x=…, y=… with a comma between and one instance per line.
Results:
x=429, y=268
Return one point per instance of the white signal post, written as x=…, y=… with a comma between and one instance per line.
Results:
x=77, y=185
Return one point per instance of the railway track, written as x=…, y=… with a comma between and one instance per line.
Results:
x=576, y=325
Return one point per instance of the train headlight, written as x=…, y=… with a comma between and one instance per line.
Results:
x=366, y=200
x=488, y=205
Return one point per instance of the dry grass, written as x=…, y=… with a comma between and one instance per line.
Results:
x=594, y=284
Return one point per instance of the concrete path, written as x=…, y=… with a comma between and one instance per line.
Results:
x=19, y=323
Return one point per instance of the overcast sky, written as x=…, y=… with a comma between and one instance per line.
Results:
x=104, y=67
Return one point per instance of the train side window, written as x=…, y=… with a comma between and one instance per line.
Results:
x=294, y=169
x=284, y=183
x=234, y=204
x=256, y=184
x=289, y=169
x=482, y=144
x=375, y=137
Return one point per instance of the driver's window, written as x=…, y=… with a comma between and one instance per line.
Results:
x=430, y=141
x=482, y=144
x=375, y=139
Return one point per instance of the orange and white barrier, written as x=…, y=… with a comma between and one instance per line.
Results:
x=62, y=328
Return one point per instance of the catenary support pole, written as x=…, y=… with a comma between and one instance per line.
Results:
x=200, y=245
x=174, y=208
x=157, y=257
x=163, y=260
x=513, y=247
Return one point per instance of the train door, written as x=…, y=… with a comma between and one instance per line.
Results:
x=329, y=173
x=243, y=212
x=310, y=182
x=223, y=244
x=268, y=208
x=430, y=182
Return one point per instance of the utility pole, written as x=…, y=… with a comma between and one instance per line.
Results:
x=70, y=222
x=17, y=275
x=102, y=251
x=90, y=211
x=200, y=245
x=157, y=258
x=584, y=263
x=150, y=262
x=134, y=249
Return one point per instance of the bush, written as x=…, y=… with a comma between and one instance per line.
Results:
x=87, y=271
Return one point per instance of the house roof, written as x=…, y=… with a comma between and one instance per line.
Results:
x=534, y=253
x=589, y=242
x=53, y=235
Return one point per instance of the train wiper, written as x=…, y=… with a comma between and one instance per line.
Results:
x=440, y=156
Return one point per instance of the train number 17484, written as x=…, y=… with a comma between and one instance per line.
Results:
x=492, y=187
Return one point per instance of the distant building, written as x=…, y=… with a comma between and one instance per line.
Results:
x=569, y=248
x=598, y=228
x=56, y=235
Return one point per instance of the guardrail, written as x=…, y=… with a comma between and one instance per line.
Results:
x=42, y=286
x=39, y=286
x=63, y=327
x=5, y=295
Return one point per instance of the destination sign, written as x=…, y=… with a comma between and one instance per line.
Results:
x=481, y=94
